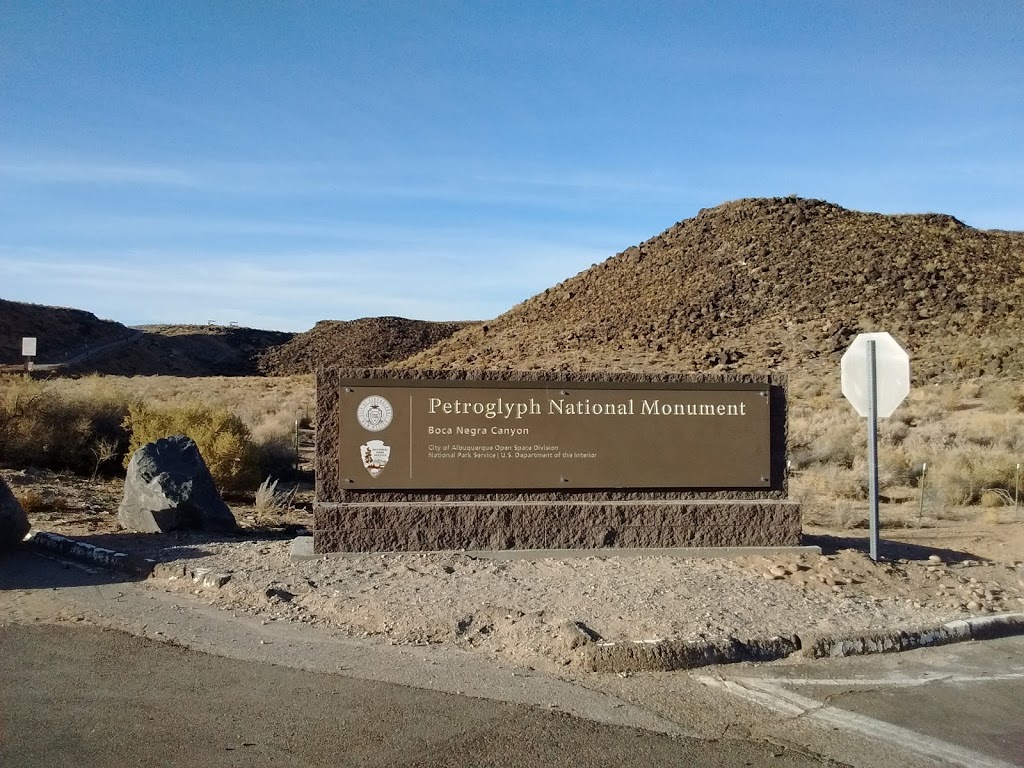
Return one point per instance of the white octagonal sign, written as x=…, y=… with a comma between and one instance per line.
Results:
x=892, y=373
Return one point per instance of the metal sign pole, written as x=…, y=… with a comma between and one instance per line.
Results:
x=872, y=450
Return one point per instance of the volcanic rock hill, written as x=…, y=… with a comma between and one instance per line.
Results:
x=188, y=350
x=365, y=343
x=762, y=284
x=73, y=341
x=61, y=333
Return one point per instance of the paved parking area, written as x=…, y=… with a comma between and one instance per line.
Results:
x=960, y=705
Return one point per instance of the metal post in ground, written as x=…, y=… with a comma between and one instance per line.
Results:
x=924, y=482
x=1016, y=490
x=296, y=444
x=872, y=449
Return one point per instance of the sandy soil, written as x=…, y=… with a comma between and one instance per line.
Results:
x=532, y=611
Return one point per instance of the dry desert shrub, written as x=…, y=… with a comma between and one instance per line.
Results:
x=1001, y=431
x=71, y=423
x=827, y=437
x=222, y=439
x=894, y=430
x=248, y=397
x=268, y=407
x=962, y=475
x=829, y=496
x=971, y=435
x=32, y=501
x=46, y=425
x=896, y=467
x=996, y=497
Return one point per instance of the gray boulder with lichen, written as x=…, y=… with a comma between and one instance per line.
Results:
x=169, y=487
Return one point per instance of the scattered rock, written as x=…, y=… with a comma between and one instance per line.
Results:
x=169, y=487
x=278, y=594
x=574, y=634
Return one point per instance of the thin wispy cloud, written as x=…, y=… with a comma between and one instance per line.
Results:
x=278, y=168
x=355, y=283
x=450, y=179
x=95, y=172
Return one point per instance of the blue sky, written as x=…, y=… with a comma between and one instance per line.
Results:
x=278, y=163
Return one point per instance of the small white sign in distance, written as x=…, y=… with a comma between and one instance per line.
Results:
x=892, y=373
x=28, y=346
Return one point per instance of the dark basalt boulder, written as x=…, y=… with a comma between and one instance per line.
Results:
x=169, y=487
x=13, y=520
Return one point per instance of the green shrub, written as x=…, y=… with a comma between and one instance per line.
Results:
x=222, y=439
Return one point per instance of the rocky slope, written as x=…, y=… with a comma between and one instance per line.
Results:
x=367, y=342
x=780, y=283
x=186, y=350
x=60, y=333
x=75, y=341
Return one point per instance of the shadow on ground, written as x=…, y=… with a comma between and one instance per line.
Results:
x=143, y=550
x=888, y=550
x=61, y=572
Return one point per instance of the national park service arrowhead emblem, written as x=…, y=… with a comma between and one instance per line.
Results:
x=375, y=456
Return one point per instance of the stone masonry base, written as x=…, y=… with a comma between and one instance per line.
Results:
x=476, y=525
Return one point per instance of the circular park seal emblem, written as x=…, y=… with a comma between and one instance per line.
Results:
x=374, y=413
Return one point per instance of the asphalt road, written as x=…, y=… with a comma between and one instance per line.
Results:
x=73, y=694
x=84, y=696
x=187, y=683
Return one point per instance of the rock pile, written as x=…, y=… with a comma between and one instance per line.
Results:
x=965, y=585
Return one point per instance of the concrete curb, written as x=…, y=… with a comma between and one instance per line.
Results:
x=120, y=561
x=671, y=655
x=623, y=657
x=90, y=554
x=893, y=641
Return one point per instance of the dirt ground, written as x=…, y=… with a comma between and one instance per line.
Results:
x=532, y=612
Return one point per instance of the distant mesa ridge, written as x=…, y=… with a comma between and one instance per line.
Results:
x=759, y=284
x=79, y=342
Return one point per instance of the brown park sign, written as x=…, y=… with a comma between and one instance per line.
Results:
x=456, y=435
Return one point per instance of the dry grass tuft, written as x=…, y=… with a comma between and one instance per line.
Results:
x=270, y=504
x=35, y=502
